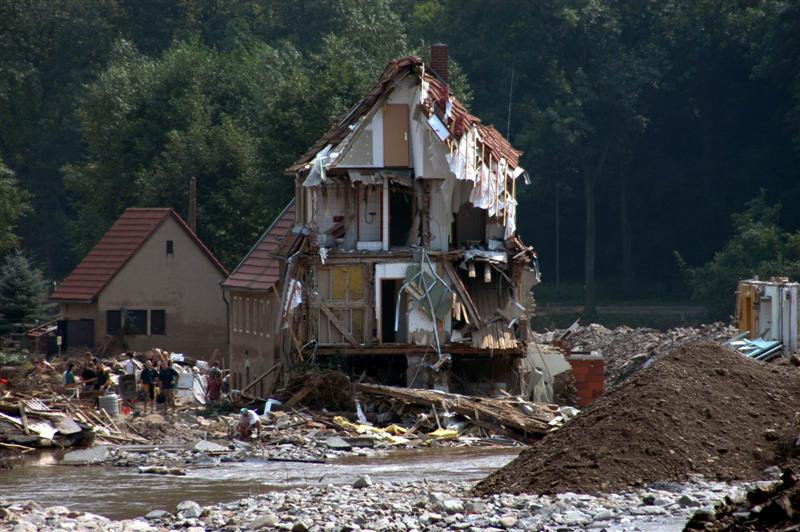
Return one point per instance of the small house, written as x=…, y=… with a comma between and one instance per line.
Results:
x=149, y=282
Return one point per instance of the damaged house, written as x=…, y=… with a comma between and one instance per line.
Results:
x=404, y=262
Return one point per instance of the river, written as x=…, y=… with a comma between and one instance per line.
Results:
x=123, y=493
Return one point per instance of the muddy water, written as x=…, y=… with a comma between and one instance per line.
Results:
x=122, y=493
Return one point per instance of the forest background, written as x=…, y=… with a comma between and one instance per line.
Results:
x=662, y=136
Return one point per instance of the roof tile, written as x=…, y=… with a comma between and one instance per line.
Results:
x=120, y=243
x=260, y=269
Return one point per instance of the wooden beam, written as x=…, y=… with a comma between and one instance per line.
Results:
x=261, y=377
x=463, y=294
x=334, y=320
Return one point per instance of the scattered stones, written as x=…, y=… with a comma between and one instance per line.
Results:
x=435, y=506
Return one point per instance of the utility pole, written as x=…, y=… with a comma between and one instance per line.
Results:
x=193, y=204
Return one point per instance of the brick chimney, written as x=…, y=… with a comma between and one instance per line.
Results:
x=439, y=60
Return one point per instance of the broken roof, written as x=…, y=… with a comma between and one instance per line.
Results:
x=260, y=268
x=120, y=243
x=438, y=93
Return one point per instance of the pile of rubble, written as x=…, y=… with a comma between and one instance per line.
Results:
x=626, y=350
x=700, y=408
x=775, y=507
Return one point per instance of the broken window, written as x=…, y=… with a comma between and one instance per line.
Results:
x=401, y=215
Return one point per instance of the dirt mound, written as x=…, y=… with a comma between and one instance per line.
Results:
x=775, y=508
x=699, y=408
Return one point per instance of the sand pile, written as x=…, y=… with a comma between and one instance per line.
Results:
x=699, y=408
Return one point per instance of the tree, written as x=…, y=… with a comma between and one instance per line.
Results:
x=759, y=247
x=23, y=294
x=13, y=205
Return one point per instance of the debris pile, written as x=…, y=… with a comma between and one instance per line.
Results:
x=27, y=423
x=699, y=408
x=481, y=416
x=626, y=350
x=763, y=508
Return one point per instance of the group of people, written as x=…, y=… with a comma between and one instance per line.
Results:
x=94, y=376
x=159, y=380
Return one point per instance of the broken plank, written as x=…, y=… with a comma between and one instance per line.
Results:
x=296, y=398
x=333, y=319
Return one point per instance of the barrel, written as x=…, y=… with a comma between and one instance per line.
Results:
x=110, y=403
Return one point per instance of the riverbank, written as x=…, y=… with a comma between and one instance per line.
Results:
x=401, y=506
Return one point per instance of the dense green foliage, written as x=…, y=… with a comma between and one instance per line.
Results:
x=758, y=247
x=653, y=120
x=13, y=204
x=23, y=294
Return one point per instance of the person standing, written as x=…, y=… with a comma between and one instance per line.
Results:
x=148, y=378
x=69, y=375
x=103, y=377
x=214, y=387
x=129, y=365
x=88, y=377
x=168, y=379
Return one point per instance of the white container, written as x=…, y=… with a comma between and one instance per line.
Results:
x=110, y=403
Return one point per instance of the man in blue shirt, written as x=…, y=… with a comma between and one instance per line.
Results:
x=168, y=379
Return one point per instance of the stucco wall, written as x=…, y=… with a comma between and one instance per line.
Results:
x=186, y=285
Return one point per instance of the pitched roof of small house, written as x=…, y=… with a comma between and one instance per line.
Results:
x=120, y=243
x=434, y=102
x=260, y=268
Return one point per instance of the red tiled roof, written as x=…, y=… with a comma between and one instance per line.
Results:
x=115, y=249
x=261, y=269
x=495, y=142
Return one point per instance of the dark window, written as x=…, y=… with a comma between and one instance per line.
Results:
x=136, y=322
x=113, y=322
x=170, y=249
x=158, y=322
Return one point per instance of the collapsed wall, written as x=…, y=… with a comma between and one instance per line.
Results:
x=699, y=408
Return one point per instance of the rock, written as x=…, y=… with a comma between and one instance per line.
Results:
x=206, y=446
x=685, y=501
x=604, y=515
x=268, y=520
x=576, y=517
x=771, y=473
x=507, y=521
x=771, y=435
x=337, y=443
x=474, y=508
x=302, y=526
x=92, y=455
x=362, y=482
x=135, y=525
x=451, y=506
x=188, y=509
x=156, y=514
